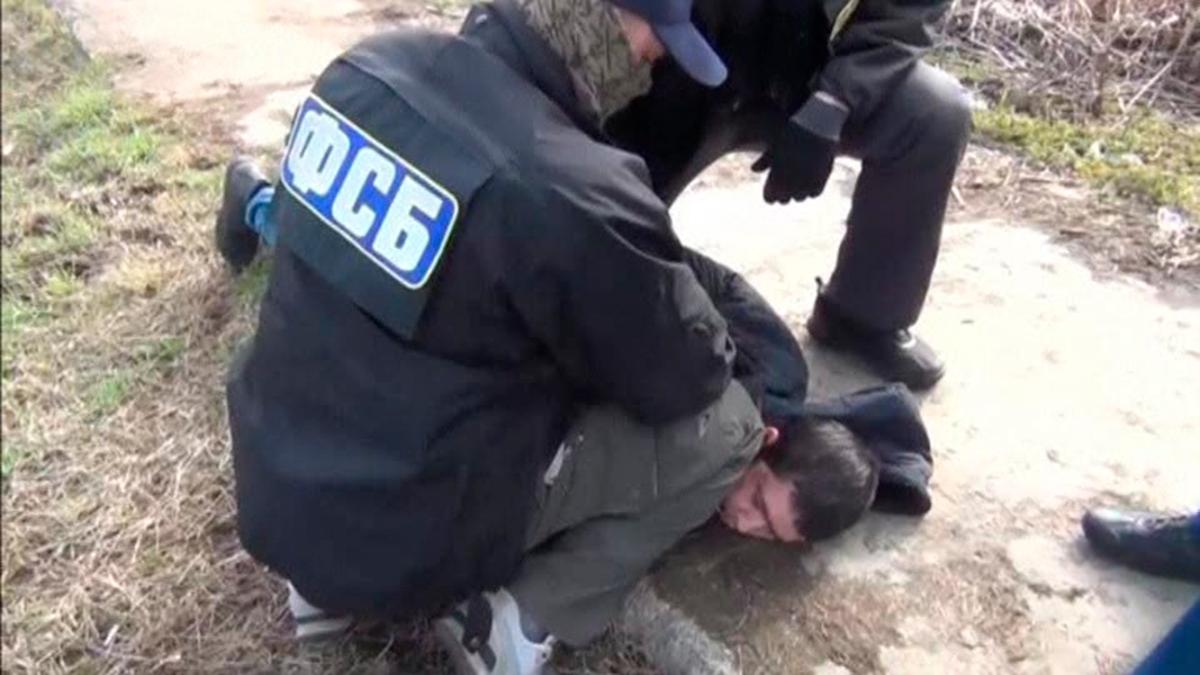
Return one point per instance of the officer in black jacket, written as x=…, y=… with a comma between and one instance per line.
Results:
x=810, y=80
x=481, y=360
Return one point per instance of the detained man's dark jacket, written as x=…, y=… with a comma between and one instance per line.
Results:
x=770, y=363
x=386, y=441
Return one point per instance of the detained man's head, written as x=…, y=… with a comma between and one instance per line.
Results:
x=609, y=46
x=814, y=479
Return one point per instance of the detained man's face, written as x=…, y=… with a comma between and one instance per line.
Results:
x=762, y=505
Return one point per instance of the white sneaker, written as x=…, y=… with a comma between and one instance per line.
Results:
x=505, y=652
x=314, y=624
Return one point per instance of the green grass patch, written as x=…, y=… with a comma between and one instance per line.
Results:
x=87, y=105
x=85, y=133
x=1143, y=155
x=15, y=316
x=252, y=283
x=109, y=393
x=52, y=249
x=61, y=285
x=11, y=455
x=205, y=181
x=1148, y=157
x=162, y=354
x=101, y=153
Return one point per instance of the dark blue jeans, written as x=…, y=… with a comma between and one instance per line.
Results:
x=1179, y=652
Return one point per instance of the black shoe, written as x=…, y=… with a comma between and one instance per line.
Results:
x=1167, y=546
x=238, y=243
x=896, y=356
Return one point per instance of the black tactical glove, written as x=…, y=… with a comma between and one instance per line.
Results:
x=800, y=163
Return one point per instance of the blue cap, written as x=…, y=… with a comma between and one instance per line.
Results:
x=672, y=23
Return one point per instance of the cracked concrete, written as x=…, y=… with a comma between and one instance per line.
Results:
x=1064, y=391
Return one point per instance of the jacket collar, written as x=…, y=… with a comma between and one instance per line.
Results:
x=501, y=29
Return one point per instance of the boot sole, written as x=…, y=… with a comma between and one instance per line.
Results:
x=922, y=383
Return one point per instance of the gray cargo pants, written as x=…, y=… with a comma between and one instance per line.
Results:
x=617, y=496
x=910, y=148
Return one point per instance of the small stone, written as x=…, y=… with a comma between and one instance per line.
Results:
x=1170, y=221
x=968, y=638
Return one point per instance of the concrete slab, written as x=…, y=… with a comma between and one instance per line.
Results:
x=1063, y=392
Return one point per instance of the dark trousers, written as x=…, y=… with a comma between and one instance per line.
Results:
x=910, y=149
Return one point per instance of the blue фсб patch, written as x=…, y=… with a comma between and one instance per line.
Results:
x=387, y=208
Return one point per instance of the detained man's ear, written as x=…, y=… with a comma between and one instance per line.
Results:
x=770, y=436
x=644, y=44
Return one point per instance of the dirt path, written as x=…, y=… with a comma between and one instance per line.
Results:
x=1064, y=391
x=245, y=62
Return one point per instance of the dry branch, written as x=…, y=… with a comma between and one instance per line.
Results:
x=1088, y=54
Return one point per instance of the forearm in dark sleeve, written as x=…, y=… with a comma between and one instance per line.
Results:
x=880, y=42
x=769, y=360
x=626, y=322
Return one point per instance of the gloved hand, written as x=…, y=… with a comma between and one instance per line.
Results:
x=800, y=163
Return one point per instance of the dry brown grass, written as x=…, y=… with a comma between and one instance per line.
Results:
x=119, y=553
x=119, y=549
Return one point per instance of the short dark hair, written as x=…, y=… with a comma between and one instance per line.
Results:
x=834, y=472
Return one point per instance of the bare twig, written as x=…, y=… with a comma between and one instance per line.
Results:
x=1084, y=52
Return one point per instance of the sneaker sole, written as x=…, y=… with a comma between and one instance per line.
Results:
x=450, y=644
x=322, y=629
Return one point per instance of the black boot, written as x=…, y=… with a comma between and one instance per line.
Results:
x=238, y=243
x=896, y=356
x=1167, y=546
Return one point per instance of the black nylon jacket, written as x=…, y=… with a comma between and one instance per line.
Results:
x=778, y=53
x=386, y=447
